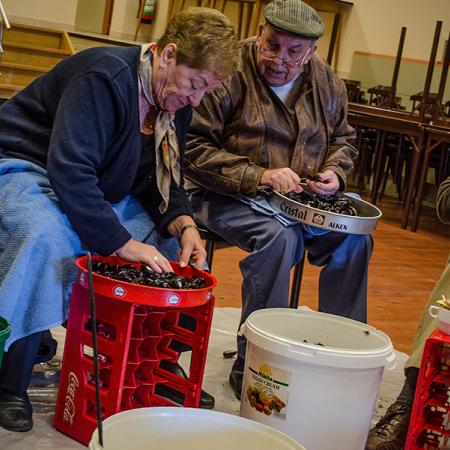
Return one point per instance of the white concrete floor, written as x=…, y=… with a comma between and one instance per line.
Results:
x=223, y=334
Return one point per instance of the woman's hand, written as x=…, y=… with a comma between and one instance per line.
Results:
x=192, y=250
x=144, y=254
x=329, y=184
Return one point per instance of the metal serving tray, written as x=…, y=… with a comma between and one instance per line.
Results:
x=363, y=223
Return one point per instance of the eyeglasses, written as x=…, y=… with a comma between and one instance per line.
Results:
x=288, y=62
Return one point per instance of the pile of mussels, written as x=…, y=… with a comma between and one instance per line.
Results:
x=146, y=276
x=331, y=203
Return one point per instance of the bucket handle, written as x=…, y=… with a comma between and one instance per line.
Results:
x=303, y=351
x=391, y=362
x=433, y=310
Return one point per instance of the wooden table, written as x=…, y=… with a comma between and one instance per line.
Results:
x=435, y=136
x=391, y=121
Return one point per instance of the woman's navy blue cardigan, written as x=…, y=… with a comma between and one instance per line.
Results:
x=80, y=121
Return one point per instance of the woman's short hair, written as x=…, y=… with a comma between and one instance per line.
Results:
x=205, y=40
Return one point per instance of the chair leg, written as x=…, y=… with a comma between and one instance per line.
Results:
x=378, y=164
x=240, y=19
x=387, y=170
x=209, y=247
x=257, y=15
x=362, y=157
x=249, y=18
x=297, y=283
x=170, y=9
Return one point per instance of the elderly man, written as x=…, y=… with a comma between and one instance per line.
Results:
x=281, y=116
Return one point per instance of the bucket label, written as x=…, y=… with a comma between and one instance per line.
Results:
x=267, y=388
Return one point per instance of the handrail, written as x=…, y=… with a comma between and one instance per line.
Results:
x=4, y=16
x=4, y=21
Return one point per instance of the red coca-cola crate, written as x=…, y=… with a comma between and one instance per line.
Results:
x=429, y=426
x=135, y=328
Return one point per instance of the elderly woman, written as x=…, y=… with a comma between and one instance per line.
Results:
x=90, y=159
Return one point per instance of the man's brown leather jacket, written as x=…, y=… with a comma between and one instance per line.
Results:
x=243, y=128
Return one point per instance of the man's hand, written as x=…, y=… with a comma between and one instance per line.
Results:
x=144, y=254
x=192, y=249
x=281, y=180
x=329, y=184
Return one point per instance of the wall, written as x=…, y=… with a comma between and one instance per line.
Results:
x=124, y=19
x=59, y=14
x=372, y=70
x=89, y=15
x=369, y=26
x=374, y=26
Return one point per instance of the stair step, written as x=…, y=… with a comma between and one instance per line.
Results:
x=7, y=90
x=28, y=53
x=32, y=56
x=19, y=66
x=18, y=45
x=19, y=76
x=11, y=86
x=37, y=36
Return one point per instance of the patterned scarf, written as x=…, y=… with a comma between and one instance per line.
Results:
x=166, y=142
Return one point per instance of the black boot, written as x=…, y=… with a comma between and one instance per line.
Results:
x=16, y=412
x=207, y=401
x=391, y=431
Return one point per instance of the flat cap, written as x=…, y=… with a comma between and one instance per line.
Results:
x=294, y=16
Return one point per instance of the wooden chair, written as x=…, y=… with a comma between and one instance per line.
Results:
x=381, y=96
x=354, y=92
x=245, y=18
x=212, y=239
x=175, y=7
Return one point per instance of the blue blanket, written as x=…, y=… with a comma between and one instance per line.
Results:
x=38, y=248
x=261, y=205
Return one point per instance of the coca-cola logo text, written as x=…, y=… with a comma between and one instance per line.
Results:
x=69, y=402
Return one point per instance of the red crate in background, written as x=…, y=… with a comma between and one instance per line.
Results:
x=429, y=427
x=135, y=327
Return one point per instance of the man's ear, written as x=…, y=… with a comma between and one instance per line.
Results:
x=260, y=30
x=168, y=55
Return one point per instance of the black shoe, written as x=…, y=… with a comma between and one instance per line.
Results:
x=392, y=429
x=16, y=412
x=235, y=379
x=207, y=401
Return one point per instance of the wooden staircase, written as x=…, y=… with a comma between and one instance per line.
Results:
x=29, y=52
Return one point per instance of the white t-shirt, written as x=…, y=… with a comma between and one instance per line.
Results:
x=283, y=91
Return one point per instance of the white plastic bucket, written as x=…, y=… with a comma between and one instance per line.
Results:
x=322, y=392
x=167, y=428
